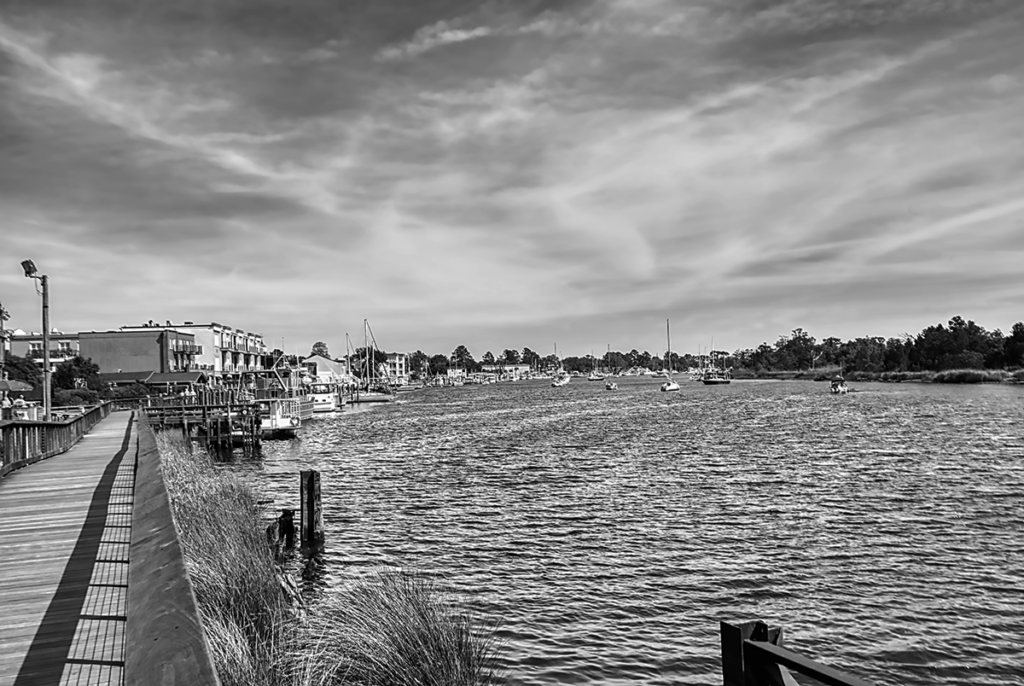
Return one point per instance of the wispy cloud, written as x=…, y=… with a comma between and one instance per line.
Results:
x=520, y=170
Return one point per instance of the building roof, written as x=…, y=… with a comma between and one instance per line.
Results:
x=126, y=377
x=171, y=378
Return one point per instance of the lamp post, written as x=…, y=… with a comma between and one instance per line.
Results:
x=32, y=273
x=3, y=340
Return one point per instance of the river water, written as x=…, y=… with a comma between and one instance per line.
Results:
x=609, y=532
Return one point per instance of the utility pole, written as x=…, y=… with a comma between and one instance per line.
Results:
x=4, y=316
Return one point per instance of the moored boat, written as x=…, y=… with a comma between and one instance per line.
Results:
x=669, y=385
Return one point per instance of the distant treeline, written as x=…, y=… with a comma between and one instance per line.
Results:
x=958, y=345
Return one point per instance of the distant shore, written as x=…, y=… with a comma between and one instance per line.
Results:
x=947, y=376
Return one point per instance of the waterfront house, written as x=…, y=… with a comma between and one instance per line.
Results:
x=226, y=353
x=29, y=344
x=325, y=369
x=397, y=366
x=156, y=349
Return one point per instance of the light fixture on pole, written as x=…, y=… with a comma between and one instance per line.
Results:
x=32, y=273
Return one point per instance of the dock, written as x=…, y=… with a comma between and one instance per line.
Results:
x=64, y=569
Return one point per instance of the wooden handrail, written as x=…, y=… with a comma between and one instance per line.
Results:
x=761, y=652
x=753, y=655
x=23, y=442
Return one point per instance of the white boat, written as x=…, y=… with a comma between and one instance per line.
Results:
x=611, y=386
x=838, y=385
x=560, y=379
x=670, y=384
x=326, y=396
x=594, y=375
x=279, y=418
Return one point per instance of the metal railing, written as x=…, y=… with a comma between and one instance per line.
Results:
x=23, y=442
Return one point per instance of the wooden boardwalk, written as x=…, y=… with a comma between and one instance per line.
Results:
x=65, y=525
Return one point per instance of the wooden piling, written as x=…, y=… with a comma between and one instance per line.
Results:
x=312, y=510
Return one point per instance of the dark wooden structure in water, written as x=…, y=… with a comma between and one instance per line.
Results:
x=753, y=655
x=218, y=426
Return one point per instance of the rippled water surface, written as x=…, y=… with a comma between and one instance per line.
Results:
x=609, y=532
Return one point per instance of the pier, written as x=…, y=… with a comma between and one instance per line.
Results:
x=73, y=535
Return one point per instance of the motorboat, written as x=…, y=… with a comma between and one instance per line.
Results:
x=611, y=386
x=560, y=379
x=670, y=384
x=326, y=396
x=838, y=386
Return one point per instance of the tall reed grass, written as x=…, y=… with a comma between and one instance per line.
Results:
x=392, y=628
x=971, y=376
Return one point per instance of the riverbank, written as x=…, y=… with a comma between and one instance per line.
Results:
x=946, y=376
x=391, y=627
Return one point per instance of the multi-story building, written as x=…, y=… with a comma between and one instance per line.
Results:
x=155, y=348
x=29, y=344
x=226, y=352
x=397, y=366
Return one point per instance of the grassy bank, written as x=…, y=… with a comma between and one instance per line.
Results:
x=947, y=376
x=391, y=628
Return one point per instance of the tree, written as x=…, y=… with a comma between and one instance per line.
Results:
x=418, y=364
x=461, y=357
x=77, y=373
x=529, y=357
x=1013, y=346
x=438, y=365
x=488, y=358
x=320, y=348
x=510, y=356
x=22, y=369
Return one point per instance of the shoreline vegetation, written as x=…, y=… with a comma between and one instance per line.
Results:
x=948, y=376
x=391, y=628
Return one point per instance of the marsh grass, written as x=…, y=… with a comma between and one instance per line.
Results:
x=971, y=376
x=392, y=628
x=246, y=615
x=397, y=628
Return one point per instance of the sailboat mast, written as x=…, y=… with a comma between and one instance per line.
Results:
x=668, y=353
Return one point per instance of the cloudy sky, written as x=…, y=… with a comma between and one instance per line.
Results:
x=515, y=173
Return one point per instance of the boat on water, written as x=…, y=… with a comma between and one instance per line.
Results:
x=611, y=386
x=594, y=374
x=670, y=384
x=374, y=386
x=838, y=385
x=715, y=374
x=326, y=396
x=560, y=379
x=280, y=418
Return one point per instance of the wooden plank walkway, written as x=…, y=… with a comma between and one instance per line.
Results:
x=65, y=524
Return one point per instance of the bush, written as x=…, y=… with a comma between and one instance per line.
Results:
x=76, y=396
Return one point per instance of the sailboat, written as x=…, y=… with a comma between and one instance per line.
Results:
x=594, y=375
x=561, y=376
x=670, y=384
x=610, y=385
x=371, y=388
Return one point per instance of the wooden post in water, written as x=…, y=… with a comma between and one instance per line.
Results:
x=312, y=510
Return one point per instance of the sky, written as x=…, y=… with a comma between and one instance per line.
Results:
x=513, y=173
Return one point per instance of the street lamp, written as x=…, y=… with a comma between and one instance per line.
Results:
x=32, y=273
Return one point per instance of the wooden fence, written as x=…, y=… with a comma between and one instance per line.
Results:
x=23, y=442
x=753, y=655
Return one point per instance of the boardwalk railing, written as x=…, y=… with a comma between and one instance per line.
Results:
x=165, y=642
x=752, y=655
x=23, y=442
